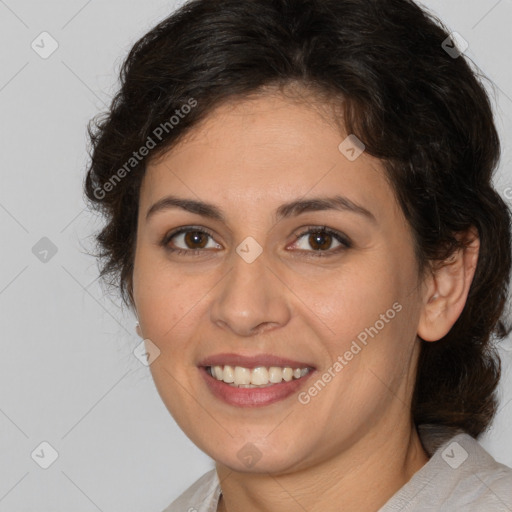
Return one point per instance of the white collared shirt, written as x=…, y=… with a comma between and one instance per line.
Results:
x=459, y=476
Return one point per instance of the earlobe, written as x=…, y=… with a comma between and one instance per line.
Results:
x=447, y=290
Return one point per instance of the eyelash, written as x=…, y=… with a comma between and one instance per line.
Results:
x=344, y=241
x=324, y=230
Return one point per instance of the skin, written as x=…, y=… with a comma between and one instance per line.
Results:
x=354, y=444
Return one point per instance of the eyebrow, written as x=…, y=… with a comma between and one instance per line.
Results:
x=294, y=208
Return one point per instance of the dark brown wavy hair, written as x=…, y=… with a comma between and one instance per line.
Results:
x=420, y=109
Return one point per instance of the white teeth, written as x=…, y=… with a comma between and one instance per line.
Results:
x=218, y=372
x=287, y=374
x=257, y=377
x=275, y=374
x=228, y=374
x=242, y=375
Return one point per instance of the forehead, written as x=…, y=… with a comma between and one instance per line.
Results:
x=264, y=150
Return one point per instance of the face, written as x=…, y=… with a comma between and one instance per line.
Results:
x=282, y=261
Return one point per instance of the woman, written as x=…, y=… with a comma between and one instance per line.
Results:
x=300, y=211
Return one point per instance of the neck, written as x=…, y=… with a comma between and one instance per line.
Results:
x=383, y=465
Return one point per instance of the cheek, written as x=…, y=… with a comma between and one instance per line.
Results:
x=162, y=297
x=370, y=314
x=352, y=299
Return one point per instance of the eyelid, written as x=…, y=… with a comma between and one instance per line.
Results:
x=345, y=242
x=166, y=239
x=184, y=229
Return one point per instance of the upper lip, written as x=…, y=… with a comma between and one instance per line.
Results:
x=254, y=361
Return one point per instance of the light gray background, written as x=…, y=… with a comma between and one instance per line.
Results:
x=68, y=375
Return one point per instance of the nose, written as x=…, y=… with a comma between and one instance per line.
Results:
x=250, y=299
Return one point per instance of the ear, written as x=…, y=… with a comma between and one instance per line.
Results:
x=447, y=289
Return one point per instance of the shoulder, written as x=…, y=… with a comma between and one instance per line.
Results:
x=201, y=496
x=460, y=476
x=483, y=483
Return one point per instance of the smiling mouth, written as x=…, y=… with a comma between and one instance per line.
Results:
x=258, y=377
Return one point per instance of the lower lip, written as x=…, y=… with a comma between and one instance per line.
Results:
x=253, y=397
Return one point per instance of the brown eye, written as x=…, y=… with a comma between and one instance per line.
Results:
x=196, y=239
x=189, y=240
x=320, y=241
